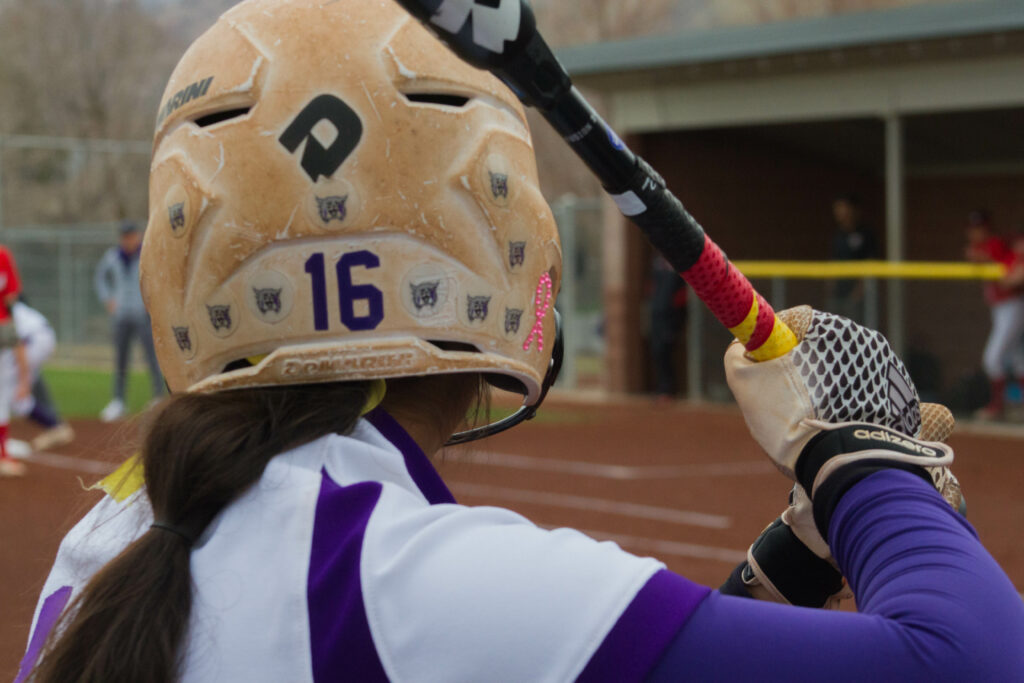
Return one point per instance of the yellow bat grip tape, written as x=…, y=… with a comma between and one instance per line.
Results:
x=780, y=342
x=745, y=330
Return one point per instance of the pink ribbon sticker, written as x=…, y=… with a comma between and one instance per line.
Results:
x=542, y=304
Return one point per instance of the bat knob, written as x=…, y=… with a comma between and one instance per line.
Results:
x=501, y=37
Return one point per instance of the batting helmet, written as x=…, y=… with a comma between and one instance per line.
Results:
x=334, y=196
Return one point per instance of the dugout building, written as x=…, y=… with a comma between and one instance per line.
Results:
x=918, y=110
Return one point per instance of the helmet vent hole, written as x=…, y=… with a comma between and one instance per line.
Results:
x=221, y=116
x=453, y=346
x=239, y=364
x=442, y=99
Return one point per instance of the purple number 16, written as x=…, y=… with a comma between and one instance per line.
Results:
x=348, y=293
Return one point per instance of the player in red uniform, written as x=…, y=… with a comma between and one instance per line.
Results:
x=10, y=387
x=1003, y=347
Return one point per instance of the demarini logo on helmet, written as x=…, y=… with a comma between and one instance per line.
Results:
x=318, y=160
x=183, y=97
x=347, y=361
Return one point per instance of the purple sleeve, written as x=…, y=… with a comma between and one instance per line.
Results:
x=934, y=605
x=644, y=630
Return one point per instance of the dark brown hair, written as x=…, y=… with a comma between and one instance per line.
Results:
x=201, y=452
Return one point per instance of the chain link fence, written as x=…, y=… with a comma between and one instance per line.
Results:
x=60, y=204
x=581, y=301
x=56, y=264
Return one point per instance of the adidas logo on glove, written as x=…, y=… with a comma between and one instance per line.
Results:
x=895, y=440
x=838, y=445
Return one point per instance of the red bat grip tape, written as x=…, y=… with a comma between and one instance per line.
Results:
x=728, y=293
x=765, y=321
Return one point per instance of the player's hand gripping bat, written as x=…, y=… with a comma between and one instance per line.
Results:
x=501, y=36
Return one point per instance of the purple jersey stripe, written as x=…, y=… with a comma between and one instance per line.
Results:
x=341, y=642
x=645, y=629
x=416, y=462
x=48, y=615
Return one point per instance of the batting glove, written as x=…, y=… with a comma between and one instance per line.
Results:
x=840, y=371
x=936, y=425
x=791, y=563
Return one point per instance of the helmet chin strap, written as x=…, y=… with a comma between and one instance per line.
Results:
x=525, y=412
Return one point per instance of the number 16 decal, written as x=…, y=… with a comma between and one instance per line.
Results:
x=348, y=293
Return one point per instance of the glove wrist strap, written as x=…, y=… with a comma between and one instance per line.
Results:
x=789, y=570
x=841, y=455
x=734, y=585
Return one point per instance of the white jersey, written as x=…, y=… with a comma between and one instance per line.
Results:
x=28, y=321
x=40, y=341
x=350, y=560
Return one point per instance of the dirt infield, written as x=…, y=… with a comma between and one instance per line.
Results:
x=682, y=483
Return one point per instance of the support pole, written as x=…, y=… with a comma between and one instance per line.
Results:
x=1, y=184
x=69, y=298
x=565, y=216
x=894, y=228
x=694, y=351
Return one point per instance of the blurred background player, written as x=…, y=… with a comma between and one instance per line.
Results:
x=14, y=375
x=668, y=314
x=117, y=286
x=851, y=241
x=1006, y=303
x=39, y=341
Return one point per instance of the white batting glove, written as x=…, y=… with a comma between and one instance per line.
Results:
x=840, y=372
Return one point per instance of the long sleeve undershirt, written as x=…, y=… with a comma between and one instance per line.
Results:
x=934, y=605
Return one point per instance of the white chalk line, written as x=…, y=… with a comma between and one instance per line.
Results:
x=638, y=543
x=65, y=462
x=506, y=460
x=635, y=543
x=659, y=548
x=661, y=514
x=618, y=472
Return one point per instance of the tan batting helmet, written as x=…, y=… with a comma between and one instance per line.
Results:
x=335, y=196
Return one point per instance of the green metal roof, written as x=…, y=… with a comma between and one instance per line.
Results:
x=915, y=23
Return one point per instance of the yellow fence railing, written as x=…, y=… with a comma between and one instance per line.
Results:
x=778, y=273
x=904, y=270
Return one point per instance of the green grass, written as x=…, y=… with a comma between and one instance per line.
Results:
x=82, y=392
